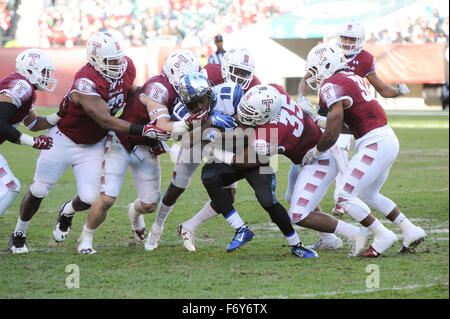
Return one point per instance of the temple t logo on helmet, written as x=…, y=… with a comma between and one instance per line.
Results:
x=179, y=63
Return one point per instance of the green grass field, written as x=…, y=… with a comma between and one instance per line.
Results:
x=264, y=268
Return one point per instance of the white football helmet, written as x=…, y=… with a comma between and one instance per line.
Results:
x=238, y=66
x=259, y=105
x=106, y=56
x=179, y=63
x=351, y=29
x=323, y=61
x=36, y=66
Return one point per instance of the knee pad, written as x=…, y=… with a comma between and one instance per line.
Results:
x=40, y=190
x=180, y=181
x=379, y=202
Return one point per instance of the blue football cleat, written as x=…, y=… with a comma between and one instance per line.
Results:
x=243, y=235
x=303, y=252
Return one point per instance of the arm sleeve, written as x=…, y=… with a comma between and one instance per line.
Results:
x=7, y=131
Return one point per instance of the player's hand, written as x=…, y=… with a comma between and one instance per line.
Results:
x=42, y=142
x=199, y=116
x=218, y=119
x=157, y=149
x=308, y=108
x=402, y=89
x=155, y=132
x=311, y=156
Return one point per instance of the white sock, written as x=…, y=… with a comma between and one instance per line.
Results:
x=162, y=214
x=327, y=237
x=87, y=233
x=346, y=229
x=138, y=221
x=377, y=228
x=405, y=224
x=21, y=227
x=68, y=209
x=293, y=239
x=234, y=219
x=205, y=214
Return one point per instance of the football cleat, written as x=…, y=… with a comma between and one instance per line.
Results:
x=320, y=244
x=380, y=243
x=84, y=246
x=137, y=224
x=338, y=211
x=242, y=236
x=188, y=237
x=359, y=242
x=153, y=238
x=17, y=244
x=62, y=228
x=412, y=238
x=303, y=252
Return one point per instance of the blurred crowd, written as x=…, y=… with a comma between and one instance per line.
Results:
x=188, y=22
x=419, y=31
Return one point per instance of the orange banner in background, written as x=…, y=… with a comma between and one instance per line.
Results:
x=409, y=63
x=147, y=60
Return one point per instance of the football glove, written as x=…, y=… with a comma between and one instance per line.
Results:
x=308, y=108
x=155, y=132
x=42, y=142
x=220, y=120
x=157, y=149
x=402, y=89
x=311, y=156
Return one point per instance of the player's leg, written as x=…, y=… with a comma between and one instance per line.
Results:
x=264, y=185
x=87, y=170
x=114, y=168
x=9, y=185
x=339, y=151
x=187, y=229
x=214, y=177
x=363, y=170
x=412, y=234
x=50, y=165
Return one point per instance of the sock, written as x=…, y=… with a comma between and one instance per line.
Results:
x=162, y=214
x=405, y=224
x=138, y=219
x=205, y=214
x=293, y=239
x=327, y=237
x=377, y=228
x=68, y=209
x=346, y=229
x=87, y=232
x=234, y=219
x=21, y=227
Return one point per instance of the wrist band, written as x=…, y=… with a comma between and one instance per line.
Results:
x=136, y=129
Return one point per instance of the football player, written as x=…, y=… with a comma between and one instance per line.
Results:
x=237, y=67
x=350, y=105
x=280, y=126
x=34, y=71
x=350, y=37
x=98, y=91
x=154, y=102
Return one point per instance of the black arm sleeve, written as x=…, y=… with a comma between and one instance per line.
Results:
x=7, y=131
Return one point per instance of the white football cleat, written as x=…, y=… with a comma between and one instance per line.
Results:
x=188, y=237
x=84, y=246
x=137, y=224
x=412, y=238
x=153, y=239
x=326, y=245
x=380, y=243
x=17, y=244
x=359, y=242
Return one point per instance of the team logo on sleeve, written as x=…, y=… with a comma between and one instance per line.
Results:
x=328, y=94
x=157, y=92
x=85, y=85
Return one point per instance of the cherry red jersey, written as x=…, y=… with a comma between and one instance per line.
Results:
x=22, y=93
x=214, y=74
x=157, y=88
x=362, y=64
x=291, y=132
x=364, y=113
x=76, y=123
